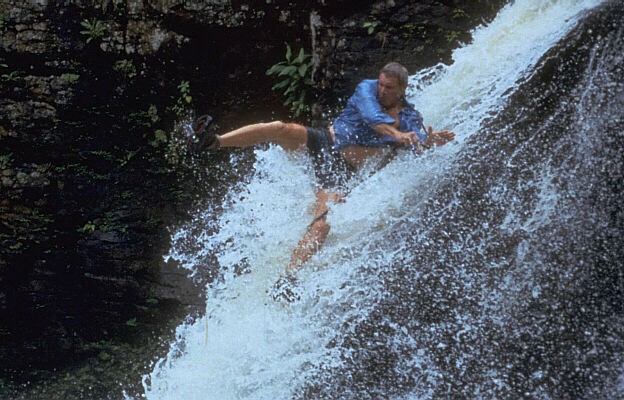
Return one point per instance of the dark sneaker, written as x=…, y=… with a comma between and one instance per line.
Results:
x=285, y=289
x=204, y=135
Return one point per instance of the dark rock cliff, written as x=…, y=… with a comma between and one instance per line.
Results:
x=91, y=173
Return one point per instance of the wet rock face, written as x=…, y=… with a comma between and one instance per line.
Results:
x=354, y=42
x=89, y=93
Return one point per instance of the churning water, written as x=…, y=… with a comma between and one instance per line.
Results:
x=489, y=268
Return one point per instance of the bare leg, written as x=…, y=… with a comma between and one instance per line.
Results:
x=316, y=234
x=288, y=135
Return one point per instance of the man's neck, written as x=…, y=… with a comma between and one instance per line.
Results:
x=393, y=110
x=397, y=105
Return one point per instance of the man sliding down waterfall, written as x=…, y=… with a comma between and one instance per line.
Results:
x=376, y=117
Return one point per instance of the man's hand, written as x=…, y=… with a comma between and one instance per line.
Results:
x=438, y=138
x=434, y=138
x=407, y=138
x=403, y=138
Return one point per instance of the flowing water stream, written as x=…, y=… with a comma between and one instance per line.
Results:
x=489, y=268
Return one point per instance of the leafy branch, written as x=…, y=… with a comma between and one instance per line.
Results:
x=296, y=78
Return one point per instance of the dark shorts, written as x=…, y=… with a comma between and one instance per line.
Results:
x=331, y=170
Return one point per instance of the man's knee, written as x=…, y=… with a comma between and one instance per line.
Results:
x=289, y=135
x=286, y=127
x=275, y=125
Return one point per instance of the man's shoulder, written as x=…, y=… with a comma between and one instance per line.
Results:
x=368, y=83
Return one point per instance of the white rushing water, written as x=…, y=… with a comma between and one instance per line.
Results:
x=251, y=347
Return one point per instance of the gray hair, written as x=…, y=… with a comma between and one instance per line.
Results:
x=397, y=70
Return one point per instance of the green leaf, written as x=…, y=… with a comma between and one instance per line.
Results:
x=290, y=70
x=300, y=57
x=291, y=89
x=302, y=70
x=281, y=85
x=275, y=68
x=288, y=52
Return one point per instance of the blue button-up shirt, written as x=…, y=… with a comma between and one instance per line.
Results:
x=354, y=126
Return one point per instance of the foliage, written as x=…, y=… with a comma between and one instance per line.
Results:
x=125, y=67
x=459, y=13
x=124, y=159
x=296, y=77
x=5, y=160
x=411, y=30
x=70, y=78
x=184, y=98
x=108, y=223
x=88, y=227
x=160, y=136
x=370, y=26
x=11, y=76
x=451, y=36
x=81, y=171
x=144, y=118
x=93, y=29
x=152, y=112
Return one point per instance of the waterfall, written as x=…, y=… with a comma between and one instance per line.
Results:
x=488, y=268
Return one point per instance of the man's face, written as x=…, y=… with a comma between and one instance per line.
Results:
x=389, y=91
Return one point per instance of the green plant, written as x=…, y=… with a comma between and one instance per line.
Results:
x=129, y=155
x=108, y=223
x=10, y=77
x=88, y=227
x=160, y=136
x=184, y=98
x=5, y=160
x=451, y=36
x=125, y=67
x=144, y=118
x=106, y=155
x=370, y=26
x=459, y=13
x=296, y=77
x=70, y=78
x=152, y=113
x=93, y=29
